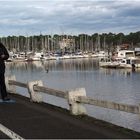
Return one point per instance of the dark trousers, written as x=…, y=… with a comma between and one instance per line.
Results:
x=2, y=86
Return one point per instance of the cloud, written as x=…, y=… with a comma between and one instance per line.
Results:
x=76, y=16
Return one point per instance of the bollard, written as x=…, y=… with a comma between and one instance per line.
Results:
x=76, y=108
x=34, y=96
x=10, y=88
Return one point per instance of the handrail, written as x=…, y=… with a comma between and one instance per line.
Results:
x=110, y=105
x=51, y=91
x=20, y=84
x=76, y=98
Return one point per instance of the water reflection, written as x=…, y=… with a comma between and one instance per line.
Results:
x=124, y=72
x=65, y=65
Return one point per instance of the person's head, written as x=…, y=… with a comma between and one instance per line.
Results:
x=1, y=44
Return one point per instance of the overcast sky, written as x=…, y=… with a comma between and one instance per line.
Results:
x=30, y=17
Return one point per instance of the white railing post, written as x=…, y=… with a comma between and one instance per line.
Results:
x=139, y=110
x=10, y=88
x=34, y=96
x=76, y=108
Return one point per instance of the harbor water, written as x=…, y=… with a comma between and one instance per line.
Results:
x=117, y=85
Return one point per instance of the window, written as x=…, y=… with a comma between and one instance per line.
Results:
x=128, y=61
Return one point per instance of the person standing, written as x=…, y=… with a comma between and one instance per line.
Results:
x=4, y=55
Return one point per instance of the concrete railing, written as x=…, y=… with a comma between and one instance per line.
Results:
x=76, y=98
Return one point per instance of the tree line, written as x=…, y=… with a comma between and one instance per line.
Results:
x=71, y=43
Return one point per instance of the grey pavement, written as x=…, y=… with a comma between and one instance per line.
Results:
x=44, y=121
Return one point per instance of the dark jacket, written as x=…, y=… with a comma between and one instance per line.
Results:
x=3, y=51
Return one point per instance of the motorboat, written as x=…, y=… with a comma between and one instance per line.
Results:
x=129, y=63
x=108, y=63
x=121, y=63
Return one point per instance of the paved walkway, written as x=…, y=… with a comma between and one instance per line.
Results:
x=39, y=121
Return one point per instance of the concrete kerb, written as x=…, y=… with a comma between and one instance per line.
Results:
x=76, y=108
x=35, y=96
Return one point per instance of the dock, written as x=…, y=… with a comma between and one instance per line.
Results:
x=31, y=120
